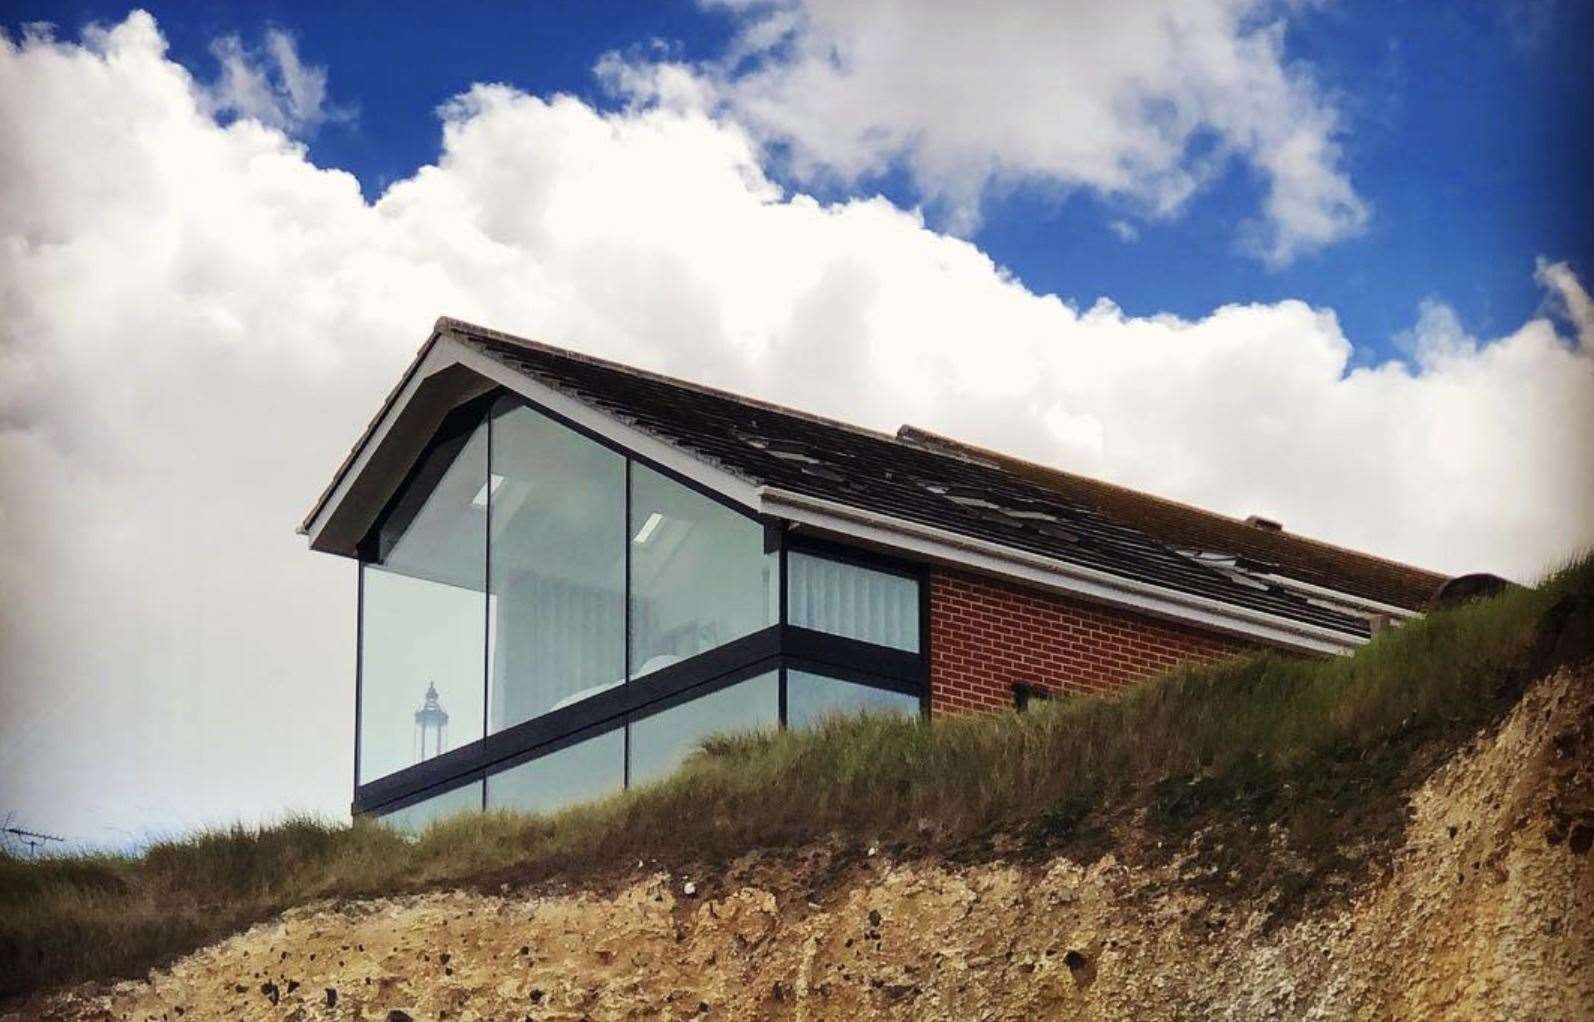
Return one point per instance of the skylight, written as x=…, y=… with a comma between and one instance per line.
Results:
x=648, y=528
x=480, y=500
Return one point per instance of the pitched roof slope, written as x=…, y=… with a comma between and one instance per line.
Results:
x=1185, y=526
x=765, y=444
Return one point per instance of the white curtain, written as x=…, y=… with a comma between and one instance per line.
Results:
x=857, y=603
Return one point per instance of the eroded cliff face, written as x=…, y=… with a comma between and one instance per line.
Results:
x=1486, y=911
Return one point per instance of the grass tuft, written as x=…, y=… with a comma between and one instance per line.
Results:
x=1312, y=745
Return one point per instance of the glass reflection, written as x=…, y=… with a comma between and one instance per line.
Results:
x=558, y=567
x=662, y=741
x=423, y=615
x=699, y=574
x=414, y=819
x=810, y=698
x=583, y=772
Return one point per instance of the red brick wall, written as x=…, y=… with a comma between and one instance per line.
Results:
x=986, y=636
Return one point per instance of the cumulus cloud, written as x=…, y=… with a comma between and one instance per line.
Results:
x=191, y=343
x=1141, y=102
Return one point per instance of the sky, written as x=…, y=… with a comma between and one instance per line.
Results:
x=1326, y=262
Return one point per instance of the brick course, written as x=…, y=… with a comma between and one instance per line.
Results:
x=986, y=637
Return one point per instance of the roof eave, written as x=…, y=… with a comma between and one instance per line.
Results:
x=325, y=501
x=951, y=548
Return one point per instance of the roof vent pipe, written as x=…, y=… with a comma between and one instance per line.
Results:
x=1266, y=524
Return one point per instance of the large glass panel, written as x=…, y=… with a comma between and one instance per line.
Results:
x=558, y=568
x=661, y=742
x=413, y=819
x=853, y=602
x=811, y=698
x=699, y=573
x=577, y=773
x=423, y=615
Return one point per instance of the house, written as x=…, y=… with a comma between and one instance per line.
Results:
x=570, y=571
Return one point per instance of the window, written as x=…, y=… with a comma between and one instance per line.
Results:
x=661, y=741
x=587, y=770
x=811, y=698
x=699, y=574
x=557, y=568
x=415, y=818
x=422, y=624
x=851, y=601
x=1025, y=693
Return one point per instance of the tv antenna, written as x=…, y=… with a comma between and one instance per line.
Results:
x=33, y=840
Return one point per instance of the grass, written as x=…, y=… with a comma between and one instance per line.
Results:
x=1267, y=739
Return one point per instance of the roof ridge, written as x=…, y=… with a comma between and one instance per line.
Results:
x=448, y=324
x=940, y=438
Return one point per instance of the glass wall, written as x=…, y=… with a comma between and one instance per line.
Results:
x=699, y=574
x=413, y=819
x=851, y=601
x=422, y=615
x=662, y=741
x=557, y=568
x=810, y=698
x=505, y=580
x=581, y=772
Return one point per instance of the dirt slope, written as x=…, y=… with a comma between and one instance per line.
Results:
x=1487, y=911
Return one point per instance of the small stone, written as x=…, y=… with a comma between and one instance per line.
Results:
x=689, y=889
x=874, y=917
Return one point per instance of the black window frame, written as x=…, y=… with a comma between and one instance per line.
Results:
x=777, y=647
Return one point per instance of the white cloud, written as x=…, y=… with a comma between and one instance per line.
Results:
x=1125, y=231
x=1567, y=293
x=274, y=87
x=192, y=341
x=1141, y=102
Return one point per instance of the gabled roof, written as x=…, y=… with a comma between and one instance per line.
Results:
x=776, y=459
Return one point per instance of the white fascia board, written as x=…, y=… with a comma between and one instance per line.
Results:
x=425, y=365
x=1337, y=596
x=445, y=352
x=927, y=541
x=637, y=441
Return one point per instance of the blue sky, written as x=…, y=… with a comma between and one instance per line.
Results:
x=1464, y=130
x=1349, y=246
